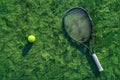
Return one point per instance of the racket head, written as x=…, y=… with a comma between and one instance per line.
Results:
x=78, y=24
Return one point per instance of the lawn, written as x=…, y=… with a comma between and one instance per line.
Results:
x=53, y=56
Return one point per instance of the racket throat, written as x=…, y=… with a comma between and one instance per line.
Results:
x=91, y=51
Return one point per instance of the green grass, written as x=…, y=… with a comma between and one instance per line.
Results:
x=53, y=56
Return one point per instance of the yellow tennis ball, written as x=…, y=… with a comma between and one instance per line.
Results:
x=31, y=38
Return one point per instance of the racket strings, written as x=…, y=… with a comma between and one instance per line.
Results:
x=77, y=25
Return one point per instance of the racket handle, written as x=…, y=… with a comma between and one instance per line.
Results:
x=100, y=69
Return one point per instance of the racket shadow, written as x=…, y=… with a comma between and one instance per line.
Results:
x=91, y=62
x=26, y=48
x=83, y=50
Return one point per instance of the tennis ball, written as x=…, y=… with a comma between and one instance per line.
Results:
x=31, y=38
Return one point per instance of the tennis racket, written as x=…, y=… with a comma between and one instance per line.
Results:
x=78, y=25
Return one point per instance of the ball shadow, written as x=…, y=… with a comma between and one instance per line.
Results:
x=26, y=48
x=83, y=50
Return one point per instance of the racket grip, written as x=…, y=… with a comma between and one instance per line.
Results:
x=100, y=69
